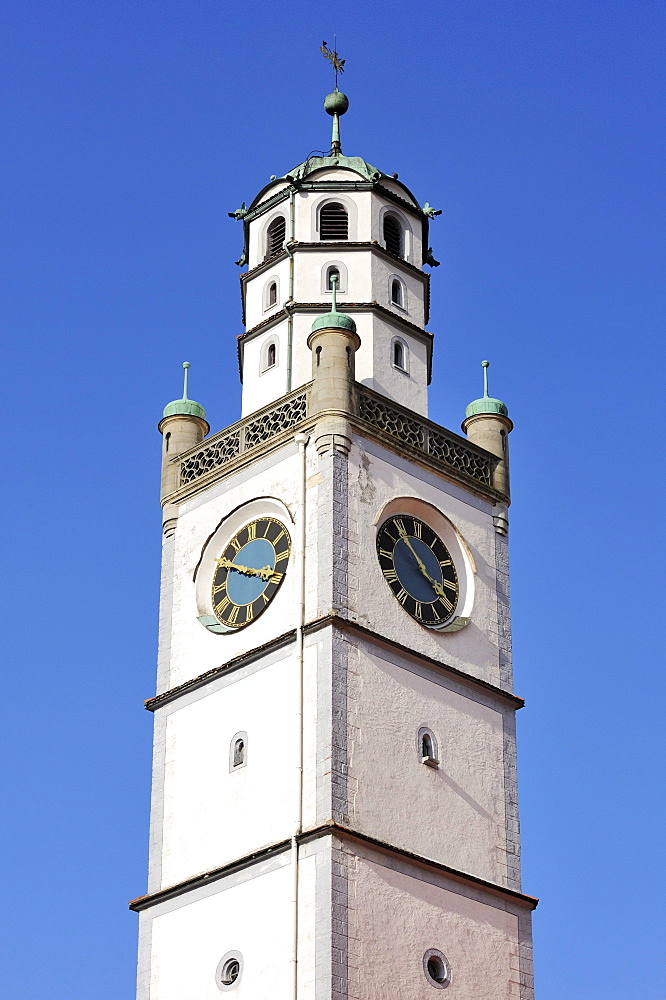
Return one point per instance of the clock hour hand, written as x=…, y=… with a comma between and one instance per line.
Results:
x=265, y=572
x=437, y=587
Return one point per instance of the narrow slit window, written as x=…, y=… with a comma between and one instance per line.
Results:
x=239, y=752
x=167, y=439
x=272, y=293
x=396, y=292
x=398, y=355
x=393, y=235
x=329, y=278
x=275, y=236
x=270, y=356
x=318, y=355
x=333, y=222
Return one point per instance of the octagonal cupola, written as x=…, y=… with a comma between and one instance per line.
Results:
x=335, y=220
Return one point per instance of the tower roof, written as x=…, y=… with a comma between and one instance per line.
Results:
x=486, y=404
x=184, y=407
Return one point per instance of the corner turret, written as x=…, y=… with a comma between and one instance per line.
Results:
x=183, y=425
x=487, y=424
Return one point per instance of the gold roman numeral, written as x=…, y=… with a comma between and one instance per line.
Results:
x=233, y=615
x=402, y=595
x=417, y=529
x=219, y=587
x=276, y=578
x=235, y=544
x=222, y=606
x=250, y=614
x=400, y=525
x=387, y=555
x=252, y=531
x=451, y=586
x=446, y=602
x=417, y=610
x=444, y=562
x=390, y=575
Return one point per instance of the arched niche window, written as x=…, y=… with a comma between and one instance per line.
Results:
x=327, y=272
x=426, y=747
x=393, y=236
x=271, y=292
x=238, y=751
x=275, y=235
x=400, y=355
x=269, y=354
x=333, y=221
x=397, y=295
x=167, y=440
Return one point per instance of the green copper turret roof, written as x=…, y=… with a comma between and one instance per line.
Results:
x=487, y=404
x=334, y=320
x=184, y=407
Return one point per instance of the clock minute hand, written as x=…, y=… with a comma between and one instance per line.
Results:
x=437, y=587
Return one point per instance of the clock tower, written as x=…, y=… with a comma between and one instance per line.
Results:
x=334, y=808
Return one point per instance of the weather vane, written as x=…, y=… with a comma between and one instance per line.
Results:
x=334, y=58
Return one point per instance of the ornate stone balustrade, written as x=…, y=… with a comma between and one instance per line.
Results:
x=254, y=430
x=399, y=423
x=455, y=452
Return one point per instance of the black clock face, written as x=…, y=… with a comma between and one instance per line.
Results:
x=419, y=569
x=250, y=571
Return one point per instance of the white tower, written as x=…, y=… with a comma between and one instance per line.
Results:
x=334, y=808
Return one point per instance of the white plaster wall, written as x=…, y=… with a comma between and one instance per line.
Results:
x=308, y=267
x=307, y=202
x=395, y=918
x=212, y=816
x=414, y=288
x=256, y=310
x=376, y=476
x=194, y=649
x=261, y=387
x=453, y=814
x=253, y=917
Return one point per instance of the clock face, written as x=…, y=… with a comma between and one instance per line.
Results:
x=249, y=571
x=419, y=569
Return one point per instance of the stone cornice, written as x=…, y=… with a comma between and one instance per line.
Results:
x=337, y=621
x=346, y=834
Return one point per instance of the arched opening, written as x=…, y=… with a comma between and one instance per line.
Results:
x=426, y=745
x=272, y=293
x=270, y=356
x=275, y=236
x=333, y=222
x=329, y=278
x=239, y=752
x=399, y=360
x=318, y=355
x=393, y=235
x=167, y=440
x=396, y=292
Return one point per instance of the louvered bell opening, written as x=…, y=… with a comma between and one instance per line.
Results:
x=393, y=236
x=275, y=236
x=333, y=222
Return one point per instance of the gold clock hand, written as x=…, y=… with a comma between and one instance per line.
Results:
x=265, y=572
x=437, y=587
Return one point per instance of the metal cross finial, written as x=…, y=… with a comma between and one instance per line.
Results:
x=333, y=57
x=186, y=366
x=485, y=365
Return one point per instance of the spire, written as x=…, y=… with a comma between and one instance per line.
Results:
x=334, y=320
x=185, y=407
x=336, y=103
x=486, y=404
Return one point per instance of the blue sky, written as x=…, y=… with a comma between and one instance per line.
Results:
x=131, y=129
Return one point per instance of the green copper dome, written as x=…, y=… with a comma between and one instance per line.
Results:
x=487, y=404
x=184, y=407
x=334, y=320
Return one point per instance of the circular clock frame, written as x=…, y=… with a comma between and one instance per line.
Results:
x=250, y=571
x=235, y=525
x=431, y=571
